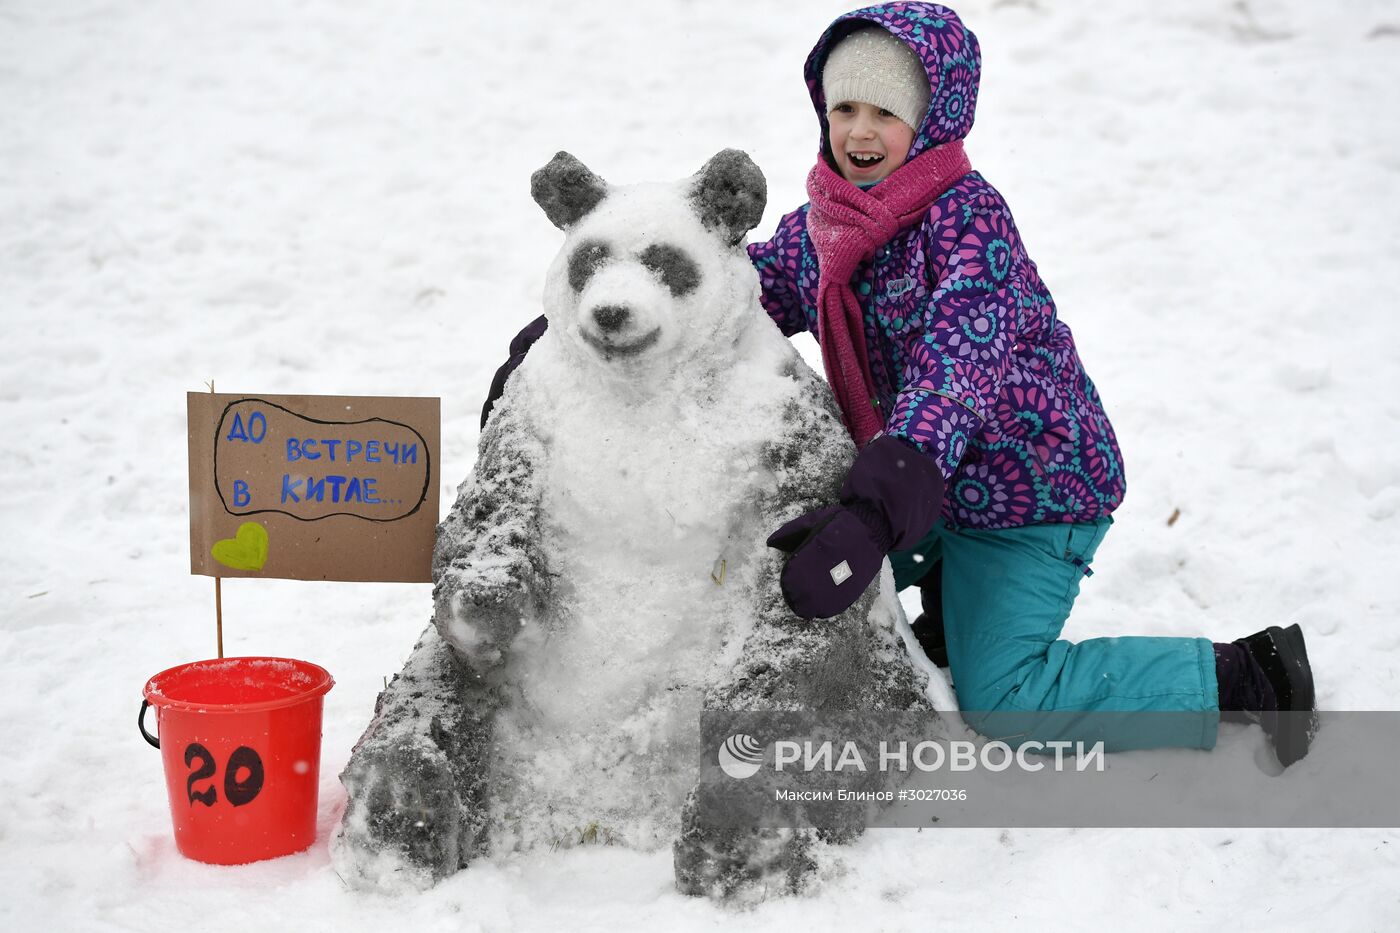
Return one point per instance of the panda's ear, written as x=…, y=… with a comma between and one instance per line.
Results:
x=567, y=190
x=729, y=194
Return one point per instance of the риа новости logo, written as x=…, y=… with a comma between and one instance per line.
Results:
x=740, y=756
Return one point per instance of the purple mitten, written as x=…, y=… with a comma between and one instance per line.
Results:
x=890, y=500
x=833, y=557
x=518, y=348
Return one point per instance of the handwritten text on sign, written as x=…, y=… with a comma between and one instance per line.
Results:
x=313, y=487
x=374, y=469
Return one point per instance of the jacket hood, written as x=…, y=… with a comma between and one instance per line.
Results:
x=947, y=49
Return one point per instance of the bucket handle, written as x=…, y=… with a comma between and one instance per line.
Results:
x=141, y=724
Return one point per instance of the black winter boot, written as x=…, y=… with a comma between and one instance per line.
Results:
x=1276, y=683
x=928, y=627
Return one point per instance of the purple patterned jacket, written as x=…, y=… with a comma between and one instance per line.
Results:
x=966, y=351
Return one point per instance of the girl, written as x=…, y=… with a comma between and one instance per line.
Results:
x=987, y=469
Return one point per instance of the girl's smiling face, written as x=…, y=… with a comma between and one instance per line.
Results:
x=868, y=142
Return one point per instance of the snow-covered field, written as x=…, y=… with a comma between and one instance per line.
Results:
x=329, y=197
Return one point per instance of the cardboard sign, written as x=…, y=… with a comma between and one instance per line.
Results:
x=313, y=487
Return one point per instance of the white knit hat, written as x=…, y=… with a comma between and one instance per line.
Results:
x=871, y=66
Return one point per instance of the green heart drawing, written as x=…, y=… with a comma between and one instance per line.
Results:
x=246, y=550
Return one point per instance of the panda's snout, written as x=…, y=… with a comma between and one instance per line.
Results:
x=614, y=332
x=611, y=318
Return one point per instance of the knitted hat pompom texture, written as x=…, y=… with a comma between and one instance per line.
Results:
x=873, y=67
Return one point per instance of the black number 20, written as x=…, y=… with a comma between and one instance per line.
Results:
x=236, y=792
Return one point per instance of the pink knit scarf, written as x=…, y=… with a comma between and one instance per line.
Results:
x=846, y=226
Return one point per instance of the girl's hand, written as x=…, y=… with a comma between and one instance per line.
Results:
x=889, y=501
x=833, y=556
x=518, y=348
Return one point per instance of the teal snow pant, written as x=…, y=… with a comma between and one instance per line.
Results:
x=1006, y=596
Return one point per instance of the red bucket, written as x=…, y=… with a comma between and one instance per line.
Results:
x=241, y=742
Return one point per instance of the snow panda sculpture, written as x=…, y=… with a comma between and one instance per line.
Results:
x=603, y=579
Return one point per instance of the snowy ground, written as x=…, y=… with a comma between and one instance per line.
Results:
x=333, y=198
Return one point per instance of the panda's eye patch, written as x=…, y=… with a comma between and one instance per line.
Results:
x=677, y=271
x=585, y=261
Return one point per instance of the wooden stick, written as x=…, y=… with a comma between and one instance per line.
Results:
x=219, y=611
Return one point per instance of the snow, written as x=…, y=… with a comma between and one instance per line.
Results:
x=327, y=198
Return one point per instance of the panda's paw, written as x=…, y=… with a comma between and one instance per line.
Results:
x=743, y=867
x=404, y=824
x=479, y=624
